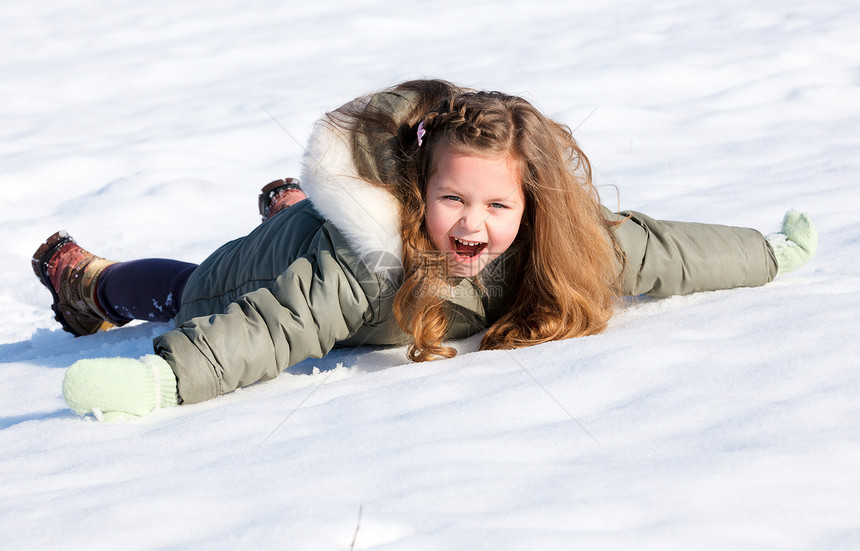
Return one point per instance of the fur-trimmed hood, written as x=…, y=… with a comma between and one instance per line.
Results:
x=367, y=215
x=364, y=212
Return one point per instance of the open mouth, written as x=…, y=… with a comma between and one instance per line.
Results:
x=466, y=249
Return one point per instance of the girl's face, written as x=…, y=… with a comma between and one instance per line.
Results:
x=474, y=208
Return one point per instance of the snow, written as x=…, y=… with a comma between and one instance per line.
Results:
x=712, y=421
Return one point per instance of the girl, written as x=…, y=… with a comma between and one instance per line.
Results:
x=435, y=212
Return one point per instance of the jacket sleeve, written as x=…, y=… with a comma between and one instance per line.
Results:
x=312, y=305
x=663, y=258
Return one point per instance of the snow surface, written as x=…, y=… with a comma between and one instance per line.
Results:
x=724, y=420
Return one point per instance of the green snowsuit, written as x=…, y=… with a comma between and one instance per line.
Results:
x=324, y=273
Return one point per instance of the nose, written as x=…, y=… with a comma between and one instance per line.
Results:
x=472, y=218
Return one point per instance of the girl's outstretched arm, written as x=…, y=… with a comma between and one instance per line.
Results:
x=664, y=258
x=314, y=304
x=319, y=300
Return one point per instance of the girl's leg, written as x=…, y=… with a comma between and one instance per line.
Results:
x=81, y=282
x=149, y=289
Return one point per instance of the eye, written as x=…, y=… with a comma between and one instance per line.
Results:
x=452, y=198
x=498, y=206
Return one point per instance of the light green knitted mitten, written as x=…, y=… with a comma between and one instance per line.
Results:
x=120, y=389
x=797, y=242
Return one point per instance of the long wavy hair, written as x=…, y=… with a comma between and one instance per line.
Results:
x=563, y=266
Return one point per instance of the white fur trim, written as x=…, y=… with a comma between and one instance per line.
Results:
x=367, y=215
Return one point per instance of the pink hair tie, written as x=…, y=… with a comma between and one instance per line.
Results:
x=421, y=133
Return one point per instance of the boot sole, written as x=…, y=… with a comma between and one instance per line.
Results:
x=271, y=189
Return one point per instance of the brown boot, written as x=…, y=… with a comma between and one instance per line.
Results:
x=70, y=273
x=278, y=195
